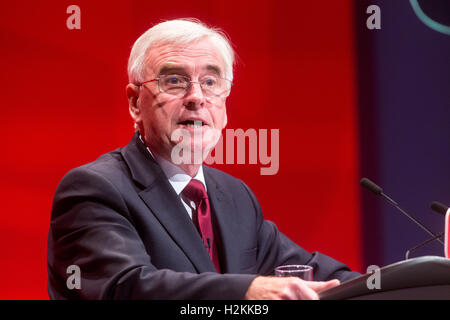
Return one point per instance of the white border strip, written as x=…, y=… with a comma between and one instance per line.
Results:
x=446, y=247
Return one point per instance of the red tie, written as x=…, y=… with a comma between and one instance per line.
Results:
x=201, y=216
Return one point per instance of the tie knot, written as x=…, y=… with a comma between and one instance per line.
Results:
x=195, y=191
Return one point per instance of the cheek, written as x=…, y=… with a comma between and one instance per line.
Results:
x=160, y=121
x=162, y=113
x=219, y=116
x=225, y=120
x=221, y=121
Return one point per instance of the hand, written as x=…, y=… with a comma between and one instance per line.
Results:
x=286, y=288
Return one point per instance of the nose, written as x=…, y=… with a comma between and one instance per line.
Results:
x=194, y=98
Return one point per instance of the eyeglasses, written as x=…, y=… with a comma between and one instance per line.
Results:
x=178, y=85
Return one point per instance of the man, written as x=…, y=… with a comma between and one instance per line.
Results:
x=141, y=224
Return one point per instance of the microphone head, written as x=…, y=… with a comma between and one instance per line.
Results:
x=366, y=183
x=439, y=207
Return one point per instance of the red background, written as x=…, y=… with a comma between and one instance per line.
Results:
x=63, y=104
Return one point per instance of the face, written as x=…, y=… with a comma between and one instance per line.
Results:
x=161, y=117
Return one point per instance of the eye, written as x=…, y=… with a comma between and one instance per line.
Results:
x=209, y=81
x=174, y=80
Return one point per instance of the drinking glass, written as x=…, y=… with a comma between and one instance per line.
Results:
x=295, y=270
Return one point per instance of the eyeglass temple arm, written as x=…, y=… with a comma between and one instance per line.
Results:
x=147, y=81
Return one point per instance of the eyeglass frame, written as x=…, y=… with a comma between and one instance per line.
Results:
x=189, y=86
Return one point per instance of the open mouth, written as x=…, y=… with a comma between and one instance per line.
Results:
x=192, y=123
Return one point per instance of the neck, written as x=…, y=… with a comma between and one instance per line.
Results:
x=190, y=169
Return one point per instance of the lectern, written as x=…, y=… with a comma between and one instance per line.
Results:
x=421, y=278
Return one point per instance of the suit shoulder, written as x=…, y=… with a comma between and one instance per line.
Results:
x=105, y=165
x=107, y=168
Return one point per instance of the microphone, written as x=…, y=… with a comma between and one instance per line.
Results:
x=439, y=208
x=373, y=187
x=368, y=184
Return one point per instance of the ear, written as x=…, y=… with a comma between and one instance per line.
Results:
x=133, y=107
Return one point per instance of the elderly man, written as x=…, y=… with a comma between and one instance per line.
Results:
x=139, y=223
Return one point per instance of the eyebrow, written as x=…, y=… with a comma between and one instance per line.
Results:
x=170, y=69
x=214, y=68
x=180, y=69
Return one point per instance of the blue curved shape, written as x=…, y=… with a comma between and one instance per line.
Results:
x=427, y=20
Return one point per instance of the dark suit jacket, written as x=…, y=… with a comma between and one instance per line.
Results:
x=120, y=221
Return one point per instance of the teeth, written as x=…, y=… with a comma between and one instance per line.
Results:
x=196, y=124
x=193, y=123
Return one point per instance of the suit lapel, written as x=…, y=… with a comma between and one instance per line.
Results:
x=224, y=210
x=168, y=209
x=165, y=204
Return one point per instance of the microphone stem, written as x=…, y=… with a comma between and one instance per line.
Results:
x=438, y=238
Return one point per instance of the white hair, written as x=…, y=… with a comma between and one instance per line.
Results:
x=178, y=31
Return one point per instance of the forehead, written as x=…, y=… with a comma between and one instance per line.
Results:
x=195, y=57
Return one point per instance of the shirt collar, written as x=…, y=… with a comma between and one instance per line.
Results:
x=177, y=177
